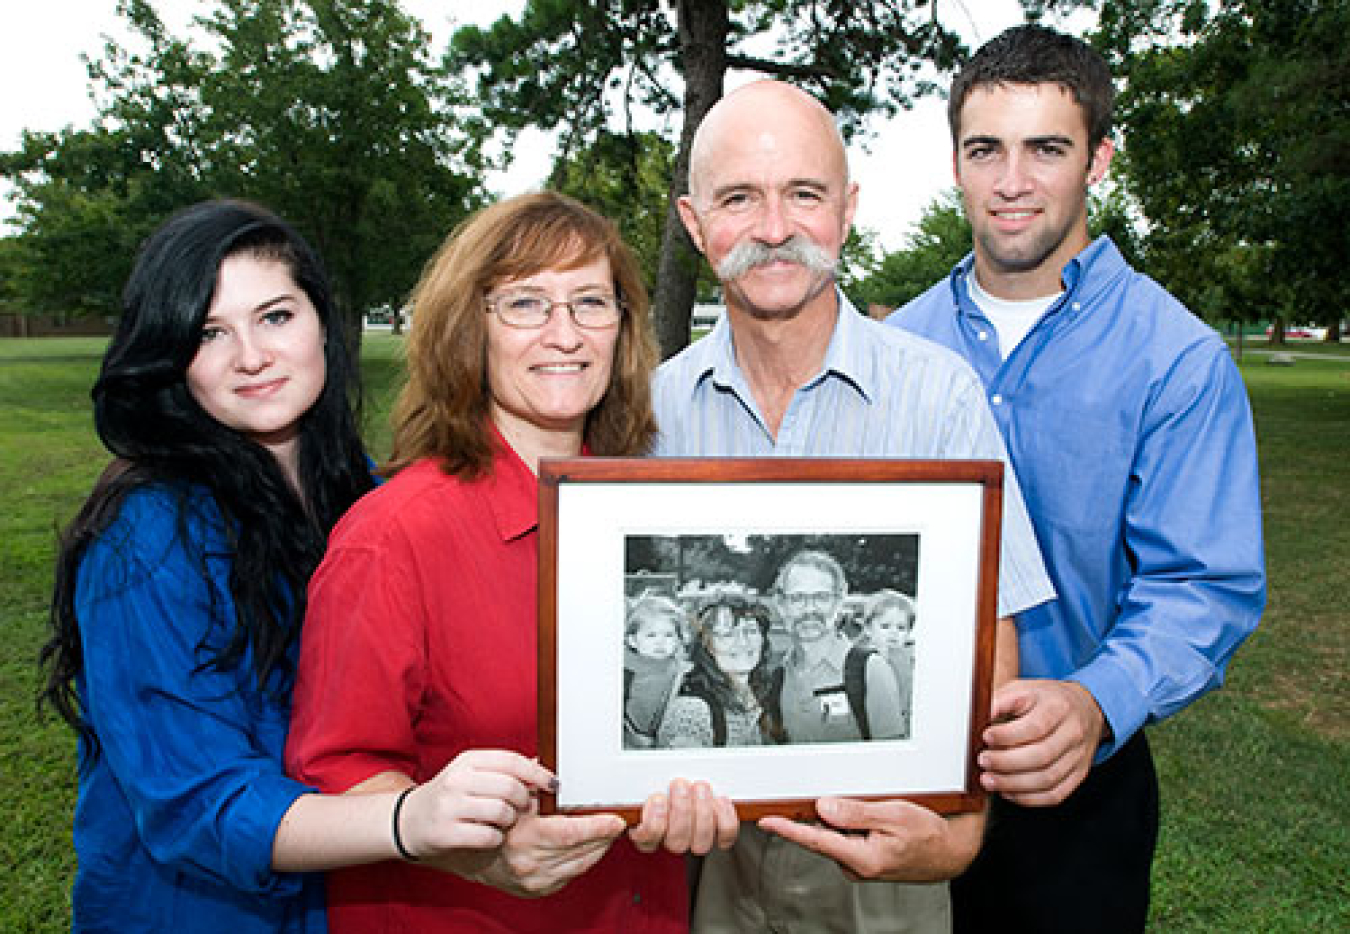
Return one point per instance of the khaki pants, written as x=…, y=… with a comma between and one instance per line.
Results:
x=765, y=885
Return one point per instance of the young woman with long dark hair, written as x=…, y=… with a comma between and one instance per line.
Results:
x=227, y=399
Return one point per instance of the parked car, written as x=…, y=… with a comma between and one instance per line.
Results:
x=1300, y=332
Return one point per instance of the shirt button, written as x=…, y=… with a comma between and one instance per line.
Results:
x=996, y=399
x=984, y=335
x=1077, y=306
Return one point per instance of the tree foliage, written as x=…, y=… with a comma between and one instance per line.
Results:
x=586, y=66
x=870, y=562
x=941, y=240
x=1237, y=125
x=625, y=176
x=1113, y=212
x=331, y=112
x=82, y=214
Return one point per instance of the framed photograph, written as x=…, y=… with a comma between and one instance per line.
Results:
x=783, y=628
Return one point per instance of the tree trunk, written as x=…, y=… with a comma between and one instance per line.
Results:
x=348, y=307
x=703, y=29
x=353, y=329
x=1277, y=331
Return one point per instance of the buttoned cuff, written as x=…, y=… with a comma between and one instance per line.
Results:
x=1123, y=707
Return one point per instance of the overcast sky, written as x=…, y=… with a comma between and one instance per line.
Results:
x=900, y=168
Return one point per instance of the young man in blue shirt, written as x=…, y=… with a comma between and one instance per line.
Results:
x=1131, y=435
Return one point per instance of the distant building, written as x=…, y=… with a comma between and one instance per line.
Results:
x=705, y=316
x=381, y=318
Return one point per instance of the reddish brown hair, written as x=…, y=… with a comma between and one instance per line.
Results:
x=443, y=411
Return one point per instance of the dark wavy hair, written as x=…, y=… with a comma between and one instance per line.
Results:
x=1034, y=54
x=705, y=677
x=159, y=436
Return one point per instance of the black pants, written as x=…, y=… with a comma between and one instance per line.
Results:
x=1079, y=868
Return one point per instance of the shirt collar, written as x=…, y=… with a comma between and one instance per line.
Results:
x=1084, y=277
x=511, y=491
x=844, y=357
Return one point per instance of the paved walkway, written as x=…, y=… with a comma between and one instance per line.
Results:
x=1291, y=352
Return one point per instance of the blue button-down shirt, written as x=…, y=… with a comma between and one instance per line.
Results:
x=179, y=807
x=1132, y=437
x=879, y=393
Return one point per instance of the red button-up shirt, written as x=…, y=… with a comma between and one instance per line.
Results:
x=419, y=644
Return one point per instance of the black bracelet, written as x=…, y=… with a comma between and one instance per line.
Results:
x=398, y=838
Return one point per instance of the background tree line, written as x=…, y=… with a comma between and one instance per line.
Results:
x=1231, y=186
x=870, y=562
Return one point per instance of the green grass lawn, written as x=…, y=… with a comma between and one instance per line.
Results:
x=1256, y=778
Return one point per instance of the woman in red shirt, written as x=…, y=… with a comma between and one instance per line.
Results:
x=529, y=339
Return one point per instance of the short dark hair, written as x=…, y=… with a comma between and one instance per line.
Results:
x=1033, y=54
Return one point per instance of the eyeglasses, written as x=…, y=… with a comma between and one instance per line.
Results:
x=746, y=630
x=532, y=310
x=820, y=600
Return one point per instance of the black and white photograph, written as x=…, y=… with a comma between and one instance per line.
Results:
x=781, y=628
x=735, y=639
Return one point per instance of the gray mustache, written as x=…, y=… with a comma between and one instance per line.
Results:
x=797, y=249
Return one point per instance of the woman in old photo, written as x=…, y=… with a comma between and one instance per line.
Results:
x=721, y=701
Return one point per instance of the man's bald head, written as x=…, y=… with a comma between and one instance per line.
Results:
x=752, y=108
x=770, y=203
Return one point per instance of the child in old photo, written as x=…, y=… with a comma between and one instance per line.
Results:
x=888, y=626
x=654, y=660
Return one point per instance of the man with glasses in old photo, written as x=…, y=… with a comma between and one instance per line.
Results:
x=833, y=691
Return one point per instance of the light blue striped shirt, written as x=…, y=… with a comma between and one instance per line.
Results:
x=880, y=393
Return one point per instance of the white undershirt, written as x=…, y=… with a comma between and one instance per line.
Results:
x=1011, y=320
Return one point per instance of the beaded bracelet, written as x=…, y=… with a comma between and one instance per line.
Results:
x=398, y=839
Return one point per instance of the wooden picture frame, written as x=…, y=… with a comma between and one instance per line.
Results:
x=606, y=525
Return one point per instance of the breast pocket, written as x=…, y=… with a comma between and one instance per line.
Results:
x=1074, y=467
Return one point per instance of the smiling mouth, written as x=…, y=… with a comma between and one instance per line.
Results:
x=260, y=389
x=559, y=368
x=1018, y=214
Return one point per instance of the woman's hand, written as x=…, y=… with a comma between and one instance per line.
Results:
x=459, y=819
x=456, y=822
x=542, y=854
x=690, y=819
